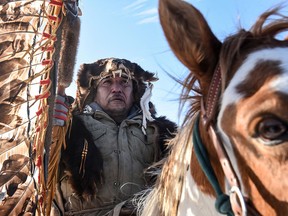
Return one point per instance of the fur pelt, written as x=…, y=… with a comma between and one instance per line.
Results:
x=83, y=181
x=167, y=130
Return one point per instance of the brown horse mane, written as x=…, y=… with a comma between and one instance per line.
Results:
x=167, y=191
x=261, y=34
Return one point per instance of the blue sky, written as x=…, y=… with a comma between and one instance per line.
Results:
x=130, y=29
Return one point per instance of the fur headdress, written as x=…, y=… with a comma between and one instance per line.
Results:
x=89, y=76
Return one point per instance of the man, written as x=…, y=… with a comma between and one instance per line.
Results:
x=114, y=137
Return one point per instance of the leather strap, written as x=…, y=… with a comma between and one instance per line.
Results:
x=229, y=174
x=223, y=158
x=209, y=110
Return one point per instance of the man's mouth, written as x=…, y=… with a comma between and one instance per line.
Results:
x=117, y=98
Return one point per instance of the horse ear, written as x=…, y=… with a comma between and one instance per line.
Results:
x=190, y=38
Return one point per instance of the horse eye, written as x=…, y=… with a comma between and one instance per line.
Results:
x=271, y=129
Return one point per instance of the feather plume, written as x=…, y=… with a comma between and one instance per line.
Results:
x=28, y=32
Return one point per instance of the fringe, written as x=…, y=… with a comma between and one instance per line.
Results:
x=58, y=142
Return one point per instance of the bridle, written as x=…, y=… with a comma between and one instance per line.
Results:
x=235, y=204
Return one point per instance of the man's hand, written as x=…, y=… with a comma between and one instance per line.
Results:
x=61, y=109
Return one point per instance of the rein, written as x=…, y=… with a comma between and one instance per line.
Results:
x=234, y=204
x=222, y=203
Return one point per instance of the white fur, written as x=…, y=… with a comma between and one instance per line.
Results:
x=231, y=96
x=281, y=83
x=193, y=202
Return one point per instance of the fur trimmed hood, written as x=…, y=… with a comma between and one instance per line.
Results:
x=90, y=74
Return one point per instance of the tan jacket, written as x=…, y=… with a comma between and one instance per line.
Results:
x=126, y=152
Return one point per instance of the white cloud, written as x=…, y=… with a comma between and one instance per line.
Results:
x=152, y=11
x=149, y=20
x=141, y=8
x=135, y=5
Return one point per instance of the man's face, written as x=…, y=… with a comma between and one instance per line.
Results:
x=115, y=96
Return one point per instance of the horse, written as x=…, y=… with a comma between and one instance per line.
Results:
x=231, y=154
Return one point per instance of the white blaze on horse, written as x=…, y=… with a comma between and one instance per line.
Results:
x=231, y=156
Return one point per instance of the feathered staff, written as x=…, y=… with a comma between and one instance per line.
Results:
x=69, y=34
x=29, y=59
x=23, y=89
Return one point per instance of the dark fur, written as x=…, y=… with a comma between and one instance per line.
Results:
x=167, y=130
x=84, y=185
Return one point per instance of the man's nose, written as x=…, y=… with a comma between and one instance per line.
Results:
x=116, y=87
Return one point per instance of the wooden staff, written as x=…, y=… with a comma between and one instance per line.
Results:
x=68, y=33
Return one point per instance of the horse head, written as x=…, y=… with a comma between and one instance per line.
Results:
x=239, y=91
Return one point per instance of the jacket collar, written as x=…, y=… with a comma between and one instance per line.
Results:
x=93, y=107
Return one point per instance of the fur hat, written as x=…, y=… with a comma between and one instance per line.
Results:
x=89, y=76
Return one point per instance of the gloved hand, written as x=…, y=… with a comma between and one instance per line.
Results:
x=61, y=109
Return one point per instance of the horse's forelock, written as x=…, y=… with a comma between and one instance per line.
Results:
x=264, y=27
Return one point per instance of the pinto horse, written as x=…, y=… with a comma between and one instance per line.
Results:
x=231, y=155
